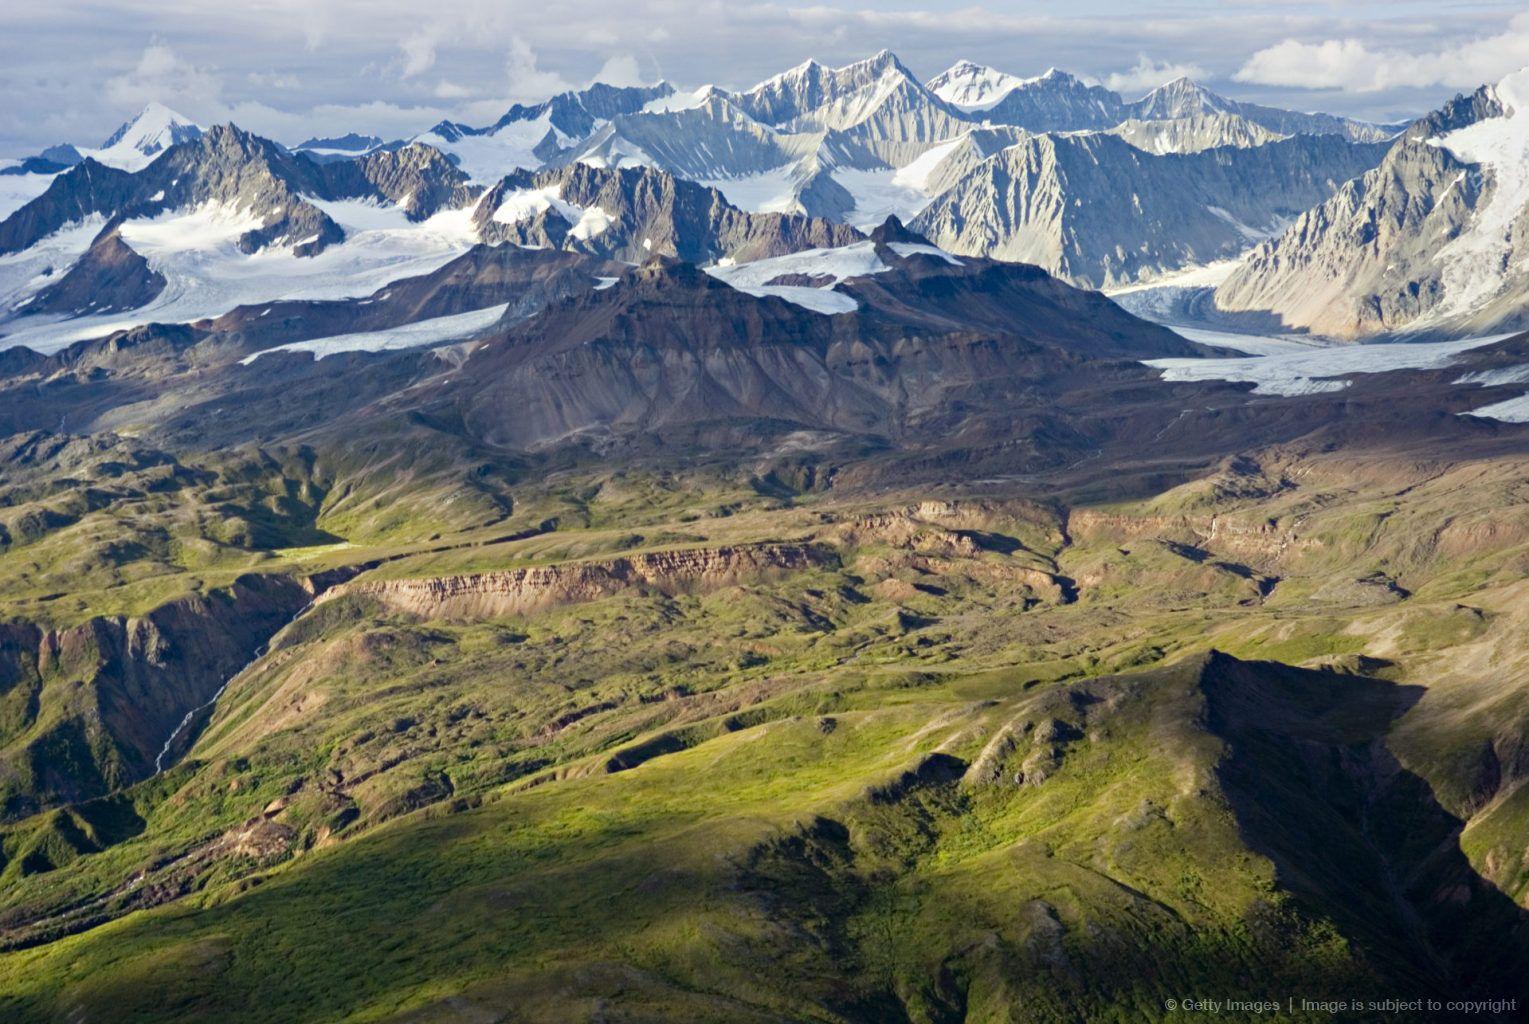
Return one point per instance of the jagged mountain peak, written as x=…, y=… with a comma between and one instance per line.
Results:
x=1429, y=242
x=894, y=230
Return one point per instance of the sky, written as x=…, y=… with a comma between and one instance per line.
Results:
x=72, y=70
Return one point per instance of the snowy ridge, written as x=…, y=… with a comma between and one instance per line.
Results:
x=206, y=274
x=1480, y=261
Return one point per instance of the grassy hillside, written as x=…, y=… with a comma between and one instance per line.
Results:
x=970, y=759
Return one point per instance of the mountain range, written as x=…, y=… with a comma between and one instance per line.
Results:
x=715, y=556
x=137, y=216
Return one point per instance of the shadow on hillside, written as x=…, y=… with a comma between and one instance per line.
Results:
x=1357, y=836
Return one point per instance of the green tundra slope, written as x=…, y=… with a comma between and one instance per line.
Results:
x=722, y=745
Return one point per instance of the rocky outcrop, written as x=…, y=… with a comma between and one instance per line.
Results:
x=1258, y=542
x=635, y=213
x=519, y=591
x=418, y=178
x=87, y=708
x=110, y=277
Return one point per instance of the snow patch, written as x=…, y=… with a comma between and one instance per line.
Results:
x=433, y=331
x=771, y=191
x=916, y=173
x=879, y=195
x=206, y=275
x=1314, y=368
x=488, y=158
x=915, y=248
x=1514, y=410
x=209, y=226
x=1492, y=378
x=836, y=265
x=17, y=190
x=592, y=223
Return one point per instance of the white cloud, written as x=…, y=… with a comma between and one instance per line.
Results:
x=419, y=53
x=445, y=90
x=163, y=76
x=1354, y=65
x=389, y=120
x=621, y=69
x=1148, y=74
x=527, y=81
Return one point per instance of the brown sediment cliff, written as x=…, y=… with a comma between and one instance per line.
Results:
x=515, y=591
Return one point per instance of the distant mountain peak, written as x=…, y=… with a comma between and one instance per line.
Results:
x=156, y=125
x=147, y=134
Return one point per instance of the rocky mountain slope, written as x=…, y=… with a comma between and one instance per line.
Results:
x=1429, y=241
x=1143, y=213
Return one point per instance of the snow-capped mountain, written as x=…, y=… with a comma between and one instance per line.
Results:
x=1053, y=101
x=1435, y=239
x=137, y=142
x=535, y=135
x=876, y=98
x=634, y=213
x=231, y=218
x=171, y=222
x=974, y=86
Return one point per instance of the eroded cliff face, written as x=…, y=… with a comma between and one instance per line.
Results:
x=517, y=591
x=86, y=709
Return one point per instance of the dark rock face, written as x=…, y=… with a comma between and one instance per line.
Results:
x=417, y=176
x=110, y=277
x=670, y=350
x=1459, y=112
x=86, y=190
x=646, y=213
